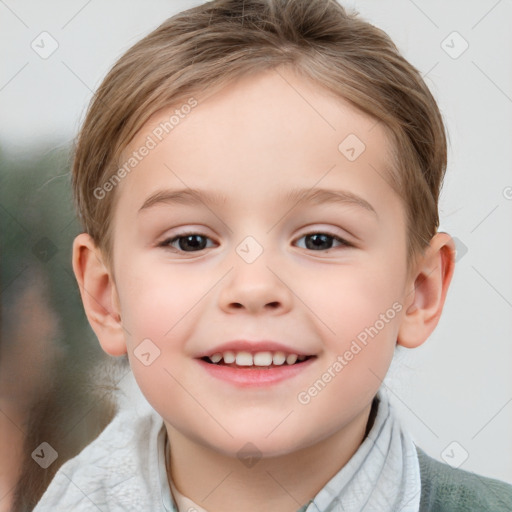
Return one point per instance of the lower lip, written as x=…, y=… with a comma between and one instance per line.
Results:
x=251, y=376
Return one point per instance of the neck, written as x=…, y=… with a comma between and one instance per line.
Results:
x=220, y=483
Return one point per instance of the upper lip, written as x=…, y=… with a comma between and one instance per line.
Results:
x=253, y=347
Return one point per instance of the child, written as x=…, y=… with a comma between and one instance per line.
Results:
x=257, y=131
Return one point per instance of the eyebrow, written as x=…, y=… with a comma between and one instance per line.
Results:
x=189, y=196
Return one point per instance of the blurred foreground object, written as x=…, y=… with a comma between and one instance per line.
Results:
x=55, y=393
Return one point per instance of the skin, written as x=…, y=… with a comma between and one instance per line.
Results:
x=256, y=139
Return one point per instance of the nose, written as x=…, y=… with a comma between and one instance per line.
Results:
x=256, y=288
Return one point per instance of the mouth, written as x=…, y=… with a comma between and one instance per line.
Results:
x=264, y=360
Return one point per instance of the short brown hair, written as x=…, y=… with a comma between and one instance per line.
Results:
x=205, y=47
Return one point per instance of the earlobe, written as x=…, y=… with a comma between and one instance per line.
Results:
x=428, y=289
x=99, y=295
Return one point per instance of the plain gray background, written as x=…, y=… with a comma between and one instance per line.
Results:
x=455, y=392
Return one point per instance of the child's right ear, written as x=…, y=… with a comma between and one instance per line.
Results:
x=99, y=295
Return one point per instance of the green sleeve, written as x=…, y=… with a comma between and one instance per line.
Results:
x=446, y=489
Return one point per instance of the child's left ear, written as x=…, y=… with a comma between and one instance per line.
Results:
x=429, y=284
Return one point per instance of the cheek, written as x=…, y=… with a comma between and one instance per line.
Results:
x=359, y=345
x=156, y=309
x=362, y=315
x=154, y=301
x=352, y=299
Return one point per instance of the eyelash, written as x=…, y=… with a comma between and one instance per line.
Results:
x=166, y=244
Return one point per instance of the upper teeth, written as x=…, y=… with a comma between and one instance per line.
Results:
x=258, y=359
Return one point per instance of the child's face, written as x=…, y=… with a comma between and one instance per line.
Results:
x=257, y=272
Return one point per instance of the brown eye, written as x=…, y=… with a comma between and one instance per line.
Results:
x=187, y=242
x=322, y=241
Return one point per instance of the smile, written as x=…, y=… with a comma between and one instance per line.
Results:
x=254, y=370
x=261, y=360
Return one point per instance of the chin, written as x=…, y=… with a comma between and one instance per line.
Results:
x=251, y=442
x=252, y=449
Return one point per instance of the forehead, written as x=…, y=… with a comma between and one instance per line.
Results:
x=272, y=129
